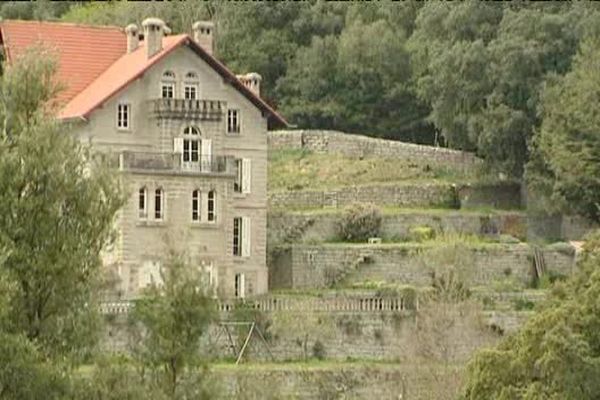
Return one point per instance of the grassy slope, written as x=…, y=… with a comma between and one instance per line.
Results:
x=303, y=170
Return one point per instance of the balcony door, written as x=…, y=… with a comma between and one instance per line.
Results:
x=196, y=152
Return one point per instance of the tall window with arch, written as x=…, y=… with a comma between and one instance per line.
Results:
x=159, y=204
x=167, y=85
x=190, y=86
x=196, y=152
x=211, y=214
x=143, y=203
x=196, y=205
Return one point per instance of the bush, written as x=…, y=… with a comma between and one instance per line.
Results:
x=421, y=233
x=318, y=350
x=360, y=222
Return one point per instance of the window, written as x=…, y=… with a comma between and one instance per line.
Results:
x=241, y=236
x=123, y=115
x=143, y=203
x=190, y=91
x=150, y=275
x=159, y=204
x=240, y=286
x=233, y=121
x=237, y=236
x=212, y=200
x=168, y=85
x=243, y=176
x=190, y=87
x=196, y=205
x=191, y=145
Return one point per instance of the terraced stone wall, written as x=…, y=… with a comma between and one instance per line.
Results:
x=326, y=265
x=359, y=146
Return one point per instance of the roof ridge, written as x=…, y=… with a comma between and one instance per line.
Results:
x=63, y=23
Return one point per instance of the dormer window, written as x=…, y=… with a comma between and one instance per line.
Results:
x=168, y=85
x=190, y=86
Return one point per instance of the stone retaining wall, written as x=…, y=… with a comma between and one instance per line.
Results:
x=359, y=146
x=504, y=195
x=321, y=266
x=321, y=227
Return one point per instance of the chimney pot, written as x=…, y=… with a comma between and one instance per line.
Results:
x=154, y=30
x=251, y=81
x=133, y=38
x=204, y=35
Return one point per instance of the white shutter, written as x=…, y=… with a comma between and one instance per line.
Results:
x=205, y=155
x=246, y=236
x=242, y=288
x=204, y=206
x=178, y=145
x=246, y=175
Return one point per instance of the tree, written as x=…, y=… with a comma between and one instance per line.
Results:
x=481, y=66
x=171, y=319
x=567, y=148
x=57, y=208
x=556, y=355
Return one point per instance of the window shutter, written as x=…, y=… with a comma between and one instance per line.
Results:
x=206, y=155
x=242, y=288
x=178, y=145
x=246, y=236
x=204, y=206
x=246, y=175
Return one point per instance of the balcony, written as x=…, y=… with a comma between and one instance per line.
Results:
x=205, y=110
x=172, y=163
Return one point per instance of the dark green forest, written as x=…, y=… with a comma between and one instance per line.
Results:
x=470, y=75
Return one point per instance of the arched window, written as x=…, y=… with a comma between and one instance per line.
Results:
x=190, y=86
x=159, y=204
x=143, y=203
x=212, y=206
x=196, y=205
x=191, y=145
x=168, y=85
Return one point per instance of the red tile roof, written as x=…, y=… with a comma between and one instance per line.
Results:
x=84, y=52
x=94, y=64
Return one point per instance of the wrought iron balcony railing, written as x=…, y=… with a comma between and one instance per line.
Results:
x=208, y=110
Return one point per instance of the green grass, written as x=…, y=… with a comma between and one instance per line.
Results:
x=293, y=169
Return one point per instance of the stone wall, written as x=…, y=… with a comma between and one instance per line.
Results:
x=339, y=335
x=321, y=266
x=503, y=195
x=359, y=146
x=404, y=195
x=321, y=227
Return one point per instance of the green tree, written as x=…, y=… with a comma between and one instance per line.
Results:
x=57, y=208
x=171, y=319
x=481, y=66
x=556, y=355
x=567, y=150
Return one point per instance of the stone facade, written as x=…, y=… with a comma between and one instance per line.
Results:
x=359, y=146
x=149, y=152
x=321, y=266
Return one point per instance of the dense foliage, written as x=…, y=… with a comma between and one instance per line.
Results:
x=566, y=161
x=557, y=354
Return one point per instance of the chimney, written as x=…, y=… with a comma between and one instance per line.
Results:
x=133, y=38
x=154, y=30
x=204, y=35
x=252, y=82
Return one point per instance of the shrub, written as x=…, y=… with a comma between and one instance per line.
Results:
x=421, y=233
x=318, y=350
x=360, y=222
